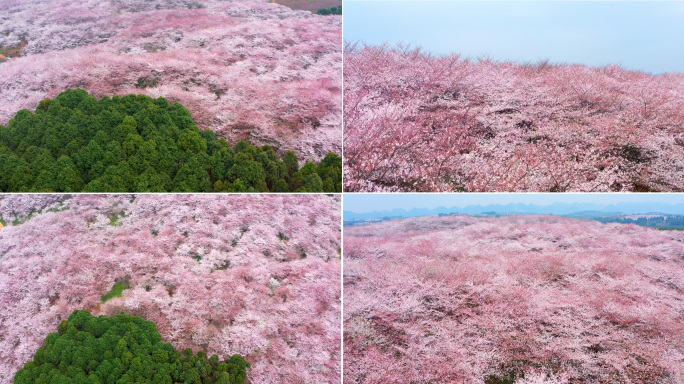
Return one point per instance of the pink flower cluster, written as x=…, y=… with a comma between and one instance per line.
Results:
x=20, y=206
x=245, y=69
x=541, y=299
x=248, y=274
x=413, y=122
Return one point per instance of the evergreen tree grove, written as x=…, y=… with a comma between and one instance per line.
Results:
x=76, y=143
x=119, y=350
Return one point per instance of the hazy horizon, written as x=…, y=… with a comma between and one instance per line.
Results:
x=369, y=203
x=637, y=35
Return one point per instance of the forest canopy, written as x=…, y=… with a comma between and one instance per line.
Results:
x=122, y=349
x=134, y=143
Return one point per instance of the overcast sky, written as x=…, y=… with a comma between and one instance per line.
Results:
x=639, y=35
x=362, y=203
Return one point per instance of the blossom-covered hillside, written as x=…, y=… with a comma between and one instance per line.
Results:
x=419, y=123
x=247, y=274
x=521, y=299
x=245, y=69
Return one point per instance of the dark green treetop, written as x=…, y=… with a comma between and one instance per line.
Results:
x=330, y=11
x=76, y=143
x=120, y=350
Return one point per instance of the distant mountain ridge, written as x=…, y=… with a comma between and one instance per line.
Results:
x=525, y=209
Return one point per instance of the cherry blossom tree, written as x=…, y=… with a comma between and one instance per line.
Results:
x=257, y=275
x=524, y=299
x=414, y=122
x=250, y=70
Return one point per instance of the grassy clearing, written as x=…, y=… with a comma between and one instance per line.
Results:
x=21, y=220
x=114, y=218
x=15, y=51
x=116, y=291
x=18, y=220
x=60, y=208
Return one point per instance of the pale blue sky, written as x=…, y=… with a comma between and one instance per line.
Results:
x=363, y=203
x=639, y=35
